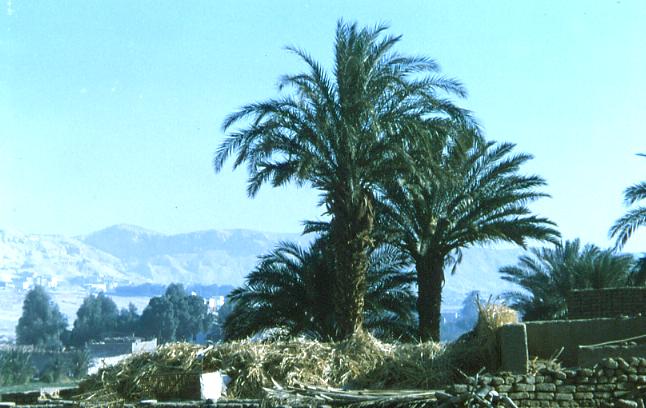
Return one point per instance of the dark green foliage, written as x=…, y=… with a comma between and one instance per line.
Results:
x=626, y=226
x=174, y=316
x=127, y=321
x=56, y=369
x=455, y=189
x=15, y=367
x=548, y=275
x=290, y=289
x=96, y=319
x=638, y=277
x=41, y=323
x=337, y=132
x=77, y=364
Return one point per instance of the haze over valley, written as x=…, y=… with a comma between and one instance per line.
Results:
x=131, y=264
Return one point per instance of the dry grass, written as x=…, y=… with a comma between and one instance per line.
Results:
x=359, y=362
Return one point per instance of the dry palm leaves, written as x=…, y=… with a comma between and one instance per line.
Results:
x=172, y=372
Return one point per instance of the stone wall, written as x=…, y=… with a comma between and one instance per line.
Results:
x=546, y=338
x=612, y=381
x=589, y=303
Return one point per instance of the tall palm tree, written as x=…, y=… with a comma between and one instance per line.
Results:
x=336, y=133
x=625, y=226
x=547, y=276
x=290, y=289
x=457, y=190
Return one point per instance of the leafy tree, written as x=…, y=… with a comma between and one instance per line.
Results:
x=96, y=319
x=158, y=320
x=456, y=190
x=336, y=132
x=41, y=323
x=625, y=226
x=174, y=316
x=547, y=276
x=290, y=289
x=127, y=320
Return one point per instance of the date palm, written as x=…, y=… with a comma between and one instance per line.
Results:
x=290, y=289
x=336, y=132
x=625, y=226
x=547, y=275
x=457, y=190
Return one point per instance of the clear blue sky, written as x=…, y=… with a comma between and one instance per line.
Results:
x=110, y=112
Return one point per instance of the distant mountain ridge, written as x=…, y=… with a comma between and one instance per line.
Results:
x=131, y=255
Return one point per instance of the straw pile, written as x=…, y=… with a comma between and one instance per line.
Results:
x=172, y=372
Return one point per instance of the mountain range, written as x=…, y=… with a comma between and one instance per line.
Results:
x=126, y=255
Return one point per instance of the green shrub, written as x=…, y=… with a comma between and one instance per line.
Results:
x=15, y=367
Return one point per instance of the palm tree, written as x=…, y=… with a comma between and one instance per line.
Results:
x=336, y=133
x=457, y=190
x=547, y=276
x=625, y=226
x=289, y=289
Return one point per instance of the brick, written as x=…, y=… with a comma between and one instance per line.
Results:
x=585, y=372
x=497, y=381
x=583, y=395
x=529, y=379
x=524, y=387
x=544, y=395
x=563, y=396
x=545, y=387
x=585, y=388
x=566, y=388
x=624, y=386
x=519, y=396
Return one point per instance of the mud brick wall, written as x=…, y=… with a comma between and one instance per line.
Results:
x=611, y=382
x=544, y=339
x=589, y=303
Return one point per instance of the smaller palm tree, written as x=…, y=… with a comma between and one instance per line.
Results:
x=290, y=289
x=548, y=275
x=625, y=226
x=456, y=190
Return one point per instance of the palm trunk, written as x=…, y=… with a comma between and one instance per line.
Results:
x=351, y=237
x=430, y=278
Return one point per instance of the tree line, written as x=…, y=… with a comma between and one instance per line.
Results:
x=398, y=165
x=176, y=315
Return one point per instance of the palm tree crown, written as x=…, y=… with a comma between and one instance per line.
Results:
x=336, y=132
x=547, y=276
x=625, y=226
x=457, y=190
x=289, y=289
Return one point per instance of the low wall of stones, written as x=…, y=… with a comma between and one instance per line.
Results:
x=612, y=382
